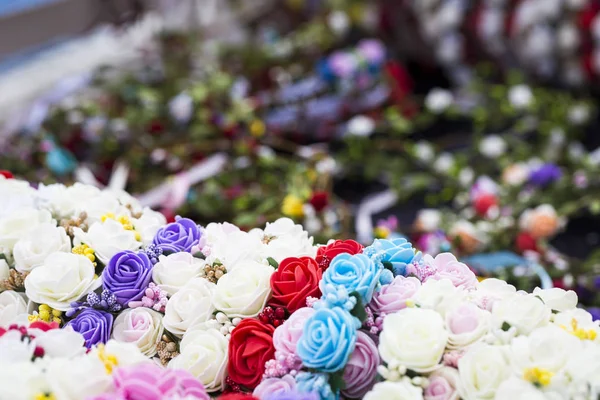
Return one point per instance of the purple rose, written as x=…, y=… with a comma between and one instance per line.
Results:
x=361, y=370
x=545, y=174
x=127, y=275
x=94, y=325
x=372, y=50
x=177, y=236
x=595, y=311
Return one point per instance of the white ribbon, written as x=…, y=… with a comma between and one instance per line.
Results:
x=118, y=177
x=373, y=204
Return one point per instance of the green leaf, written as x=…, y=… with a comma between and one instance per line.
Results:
x=505, y=326
x=272, y=262
x=359, y=309
x=336, y=381
x=200, y=255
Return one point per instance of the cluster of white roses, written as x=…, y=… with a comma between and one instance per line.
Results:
x=241, y=292
x=489, y=342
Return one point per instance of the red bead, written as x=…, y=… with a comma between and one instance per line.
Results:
x=484, y=203
x=268, y=311
x=263, y=318
x=280, y=313
x=277, y=322
x=39, y=352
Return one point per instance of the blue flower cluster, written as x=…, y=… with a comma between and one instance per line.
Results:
x=398, y=253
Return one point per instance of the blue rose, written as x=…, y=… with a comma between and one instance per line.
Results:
x=315, y=384
x=328, y=339
x=357, y=273
x=398, y=252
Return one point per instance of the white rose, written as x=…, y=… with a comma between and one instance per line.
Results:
x=125, y=353
x=204, y=354
x=583, y=367
x=60, y=343
x=4, y=270
x=12, y=305
x=520, y=96
x=61, y=280
x=32, y=249
x=444, y=163
x=439, y=295
x=172, y=272
x=64, y=201
x=244, y=291
x=141, y=326
x=424, y=151
x=192, y=304
x=402, y=390
x=517, y=389
x=492, y=146
x=557, y=299
x=580, y=319
x=247, y=247
x=19, y=223
x=16, y=194
x=107, y=239
x=438, y=100
x=482, y=369
x=218, y=232
x=466, y=323
x=548, y=348
x=525, y=312
x=491, y=290
x=13, y=349
x=415, y=338
x=283, y=238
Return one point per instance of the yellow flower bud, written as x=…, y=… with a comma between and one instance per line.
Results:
x=292, y=206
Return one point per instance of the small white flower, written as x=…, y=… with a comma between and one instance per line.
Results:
x=444, y=163
x=492, y=146
x=579, y=114
x=567, y=37
x=326, y=166
x=520, y=96
x=438, y=100
x=338, y=22
x=181, y=108
x=61, y=280
x=361, y=126
x=424, y=151
x=428, y=220
x=466, y=176
x=576, y=150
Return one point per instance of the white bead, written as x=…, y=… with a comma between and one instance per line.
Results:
x=222, y=318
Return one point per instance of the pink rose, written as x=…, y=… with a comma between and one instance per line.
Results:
x=448, y=267
x=287, y=335
x=361, y=369
x=274, y=386
x=466, y=323
x=442, y=385
x=150, y=382
x=392, y=298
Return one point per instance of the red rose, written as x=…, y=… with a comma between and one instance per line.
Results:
x=319, y=200
x=526, y=242
x=237, y=396
x=484, y=203
x=294, y=281
x=326, y=253
x=250, y=347
x=6, y=174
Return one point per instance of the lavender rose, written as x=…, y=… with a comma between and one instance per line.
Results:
x=127, y=275
x=181, y=235
x=95, y=326
x=361, y=370
x=392, y=297
x=272, y=387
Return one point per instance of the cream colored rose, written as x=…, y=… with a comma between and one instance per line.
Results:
x=172, y=272
x=191, y=305
x=102, y=204
x=490, y=291
x=19, y=223
x=32, y=249
x=402, y=390
x=247, y=248
x=439, y=295
x=140, y=326
x=64, y=201
x=466, y=323
x=525, y=312
x=283, y=238
x=107, y=239
x=4, y=270
x=148, y=224
x=482, y=369
x=557, y=299
x=12, y=305
x=244, y=291
x=16, y=194
x=415, y=338
x=204, y=354
x=61, y=280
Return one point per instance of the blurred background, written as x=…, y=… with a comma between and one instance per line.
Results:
x=465, y=125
